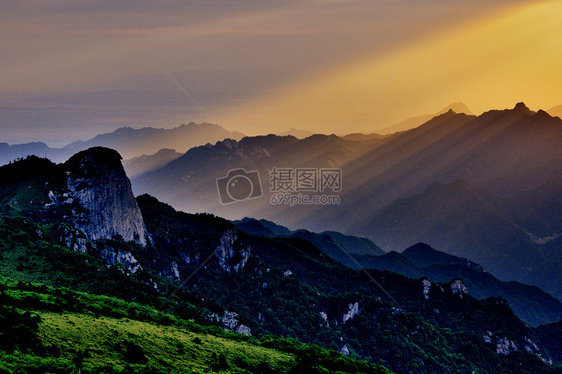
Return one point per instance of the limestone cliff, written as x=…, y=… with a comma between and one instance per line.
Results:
x=108, y=209
x=231, y=258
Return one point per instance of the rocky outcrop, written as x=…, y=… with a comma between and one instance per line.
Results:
x=230, y=258
x=243, y=330
x=107, y=207
x=72, y=238
x=230, y=321
x=118, y=256
x=458, y=288
x=175, y=270
x=531, y=347
x=426, y=287
x=353, y=311
x=504, y=346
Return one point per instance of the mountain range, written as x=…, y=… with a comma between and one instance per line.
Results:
x=130, y=143
x=530, y=303
x=481, y=187
x=166, y=273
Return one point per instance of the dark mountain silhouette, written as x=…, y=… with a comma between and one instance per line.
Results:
x=338, y=246
x=423, y=255
x=530, y=303
x=190, y=182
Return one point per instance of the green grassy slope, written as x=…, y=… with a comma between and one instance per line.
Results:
x=54, y=330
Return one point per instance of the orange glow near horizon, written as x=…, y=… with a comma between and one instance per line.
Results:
x=265, y=67
x=487, y=64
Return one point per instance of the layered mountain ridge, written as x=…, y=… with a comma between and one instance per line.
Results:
x=480, y=187
x=254, y=284
x=129, y=142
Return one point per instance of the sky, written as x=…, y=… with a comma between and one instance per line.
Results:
x=72, y=69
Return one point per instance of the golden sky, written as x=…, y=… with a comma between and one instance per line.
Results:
x=73, y=69
x=494, y=61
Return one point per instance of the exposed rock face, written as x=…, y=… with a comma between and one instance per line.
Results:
x=531, y=347
x=344, y=350
x=97, y=182
x=118, y=256
x=353, y=311
x=426, y=288
x=231, y=259
x=229, y=321
x=72, y=238
x=175, y=270
x=243, y=330
x=504, y=346
x=458, y=288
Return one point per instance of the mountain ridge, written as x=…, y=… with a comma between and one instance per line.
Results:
x=410, y=123
x=129, y=142
x=262, y=286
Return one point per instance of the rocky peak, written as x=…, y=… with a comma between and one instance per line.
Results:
x=97, y=181
x=522, y=108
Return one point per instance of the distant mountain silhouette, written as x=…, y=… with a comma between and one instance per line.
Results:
x=299, y=134
x=10, y=153
x=556, y=111
x=129, y=142
x=132, y=143
x=358, y=137
x=414, y=122
x=145, y=163
x=514, y=238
